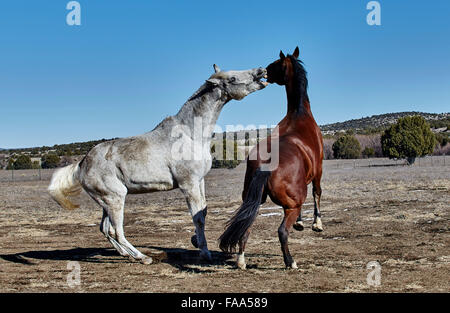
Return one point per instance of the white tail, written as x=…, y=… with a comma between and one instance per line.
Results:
x=65, y=184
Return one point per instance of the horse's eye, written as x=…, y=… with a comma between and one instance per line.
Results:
x=232, y=79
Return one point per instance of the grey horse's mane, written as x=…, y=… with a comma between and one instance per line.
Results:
x=204, y=89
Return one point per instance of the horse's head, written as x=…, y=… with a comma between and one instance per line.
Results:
x=238, y=84
x=281, y=70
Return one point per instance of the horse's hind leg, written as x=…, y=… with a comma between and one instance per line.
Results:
x=290, y=216
x=317, y=193
x=240, y=261
x=110, y=195
x=115, y=213
x=110, y=233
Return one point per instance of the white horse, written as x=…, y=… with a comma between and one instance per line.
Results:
x=173, y=155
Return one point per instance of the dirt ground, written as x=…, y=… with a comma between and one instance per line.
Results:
x=397, y=216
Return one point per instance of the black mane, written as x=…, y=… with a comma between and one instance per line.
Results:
x=301, y=82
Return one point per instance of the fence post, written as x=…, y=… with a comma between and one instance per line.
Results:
x=12, y=174
x=40, y=177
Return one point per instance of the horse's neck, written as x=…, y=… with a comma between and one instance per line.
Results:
x=297, y=103
x=298, y=109
x=203, y=110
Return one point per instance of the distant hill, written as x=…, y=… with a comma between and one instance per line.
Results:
x=76, y=148
x=377, y=123
x=372, y=124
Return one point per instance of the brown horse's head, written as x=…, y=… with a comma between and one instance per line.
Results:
x=282, y=69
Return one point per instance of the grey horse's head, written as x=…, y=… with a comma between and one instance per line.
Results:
x=238, y=84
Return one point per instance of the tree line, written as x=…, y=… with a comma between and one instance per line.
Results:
x=409, y=138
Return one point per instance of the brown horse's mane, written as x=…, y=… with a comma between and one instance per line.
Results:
x=300, y=83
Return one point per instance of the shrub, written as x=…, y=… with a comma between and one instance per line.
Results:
x=370, y=141
x=23, y=162
x=50, y=161
x=442, y=139
x=368, y=152
x=346, y=147
x=409, y=138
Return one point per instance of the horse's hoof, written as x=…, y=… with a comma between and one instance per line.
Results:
x=299, y=226
x=194, y=241
x=206, y=256
x=293, y=266
x=317, y=228
x=240, y=263
x=241, y=266
x=317, y=225
x=147, y=260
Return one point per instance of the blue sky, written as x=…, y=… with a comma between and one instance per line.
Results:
x=132, y=63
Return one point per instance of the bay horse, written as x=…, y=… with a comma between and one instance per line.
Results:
x=300, y=155
x=175, y=154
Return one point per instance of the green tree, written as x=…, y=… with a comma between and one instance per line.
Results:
x=23, y=162
x=368, y=152
x=50, y=161
x=409, y=138
x=346, y=147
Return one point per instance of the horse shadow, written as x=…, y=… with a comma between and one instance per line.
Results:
x=187, y=260
x=75, y=254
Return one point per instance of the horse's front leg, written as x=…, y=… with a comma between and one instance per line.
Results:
x=194, y=240
x=197, y=206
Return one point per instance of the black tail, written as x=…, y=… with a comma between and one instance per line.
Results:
x=244, y=217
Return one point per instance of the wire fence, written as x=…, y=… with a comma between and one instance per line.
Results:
x=438, y=160
x=433, y=161
x=25, y=175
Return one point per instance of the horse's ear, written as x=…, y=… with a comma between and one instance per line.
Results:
x=213, y=81
x=296, y=53
x=216, y=68
x=282, y=56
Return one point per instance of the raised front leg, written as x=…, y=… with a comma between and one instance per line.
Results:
x=195, y=201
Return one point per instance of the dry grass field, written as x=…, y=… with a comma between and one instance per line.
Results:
x=395, y=215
